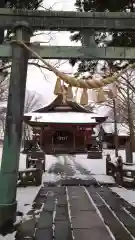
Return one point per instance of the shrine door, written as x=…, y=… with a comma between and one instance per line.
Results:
x=63, y=140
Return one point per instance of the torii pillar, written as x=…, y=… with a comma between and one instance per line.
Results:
x=13, y=127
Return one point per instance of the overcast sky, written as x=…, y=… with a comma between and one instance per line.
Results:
x=44, y=83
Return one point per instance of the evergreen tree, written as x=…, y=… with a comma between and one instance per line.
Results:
x=21, y=4
x=24, y=4
x=122, y=39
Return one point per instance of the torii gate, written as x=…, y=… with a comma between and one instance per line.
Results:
x=45, y=20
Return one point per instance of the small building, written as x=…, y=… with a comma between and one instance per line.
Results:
x=107, y=132
x=63, y=126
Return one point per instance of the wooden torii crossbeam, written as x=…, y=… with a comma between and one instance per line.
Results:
x=66, y=21
x=80, y=53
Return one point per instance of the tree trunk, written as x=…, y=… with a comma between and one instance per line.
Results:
x=116, y=142
x=131, y=128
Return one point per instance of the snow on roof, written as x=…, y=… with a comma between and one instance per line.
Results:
x=123, y=129
x=63, y=117
x=100, y=109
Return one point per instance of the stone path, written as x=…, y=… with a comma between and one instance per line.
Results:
x=67, y=213
x=76, y=210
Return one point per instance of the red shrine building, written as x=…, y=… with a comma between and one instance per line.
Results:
x=63, y=127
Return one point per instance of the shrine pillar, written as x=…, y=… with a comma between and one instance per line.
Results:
x=13, y=127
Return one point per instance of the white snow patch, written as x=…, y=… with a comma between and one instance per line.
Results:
x=101, y=178
x=70, y=161
x=123, y=129
x=8, y=237
x=122, y=153
x=102, y=110
x=50, y=160
x=127, y=194
x=60, y=159
x=50, y=177
x=97, y=167
x=63, y=117
x=112, y=153
x=25, y=197
x=22, y=162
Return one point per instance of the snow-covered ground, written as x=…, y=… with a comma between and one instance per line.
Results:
x=97, y=167
x=25, y=196
x=128, y=195
x=121, y=153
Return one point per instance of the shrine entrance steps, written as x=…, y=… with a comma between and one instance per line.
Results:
x=78, y=212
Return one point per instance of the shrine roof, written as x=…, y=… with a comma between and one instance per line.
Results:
x=58, y=106
x=63, y=117
x=58, y=112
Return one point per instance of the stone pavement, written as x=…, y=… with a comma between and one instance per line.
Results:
x=77, y=212
x=76, y=209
